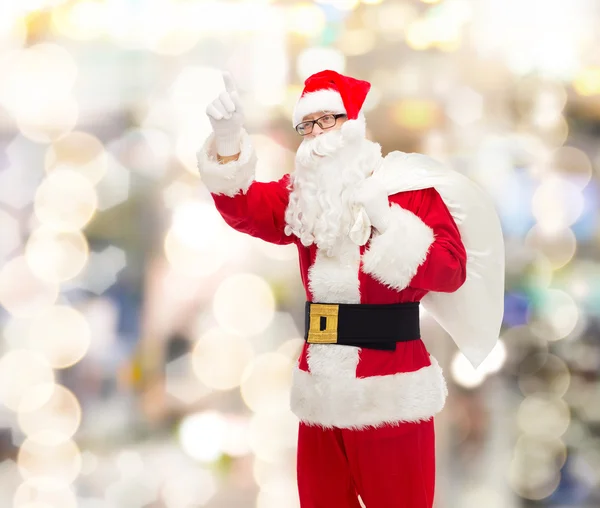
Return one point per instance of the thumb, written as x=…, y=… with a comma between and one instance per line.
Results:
x=229, y=82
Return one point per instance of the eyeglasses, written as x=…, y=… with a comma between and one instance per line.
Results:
x=325, y=122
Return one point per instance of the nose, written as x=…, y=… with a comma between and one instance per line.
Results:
x=317, y=130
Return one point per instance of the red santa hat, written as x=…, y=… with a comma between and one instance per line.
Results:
x=330, y=91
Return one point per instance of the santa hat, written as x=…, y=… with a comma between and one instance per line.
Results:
x=330, y=91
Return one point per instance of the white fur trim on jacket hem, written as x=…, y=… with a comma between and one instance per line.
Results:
x=394, y=256
x=313, y=102
x=368, y=402
x=230, y=178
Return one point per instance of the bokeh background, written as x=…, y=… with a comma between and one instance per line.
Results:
x=146, y=348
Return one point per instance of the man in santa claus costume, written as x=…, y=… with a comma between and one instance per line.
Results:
x=377, y=238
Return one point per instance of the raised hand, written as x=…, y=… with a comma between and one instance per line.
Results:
x=226, y=116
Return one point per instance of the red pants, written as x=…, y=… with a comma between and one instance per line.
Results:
x=389, y=467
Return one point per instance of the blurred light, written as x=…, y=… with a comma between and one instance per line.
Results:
x=170, y=28
x=390, y=19
x=266, y=382
x=556, y=204
x=181, y=382
x=10, y=234
x=357, y=42
x=291, y=348
x=312, y=60
x=273, y=160
x=61, y=334
x=441, y=27
x=543, y=416
x=372, y=2
x=38, y=5
x=61, y=462
x=130, y=463
x=463, y=372
x=22, y=293
x=589, y=404
x=416, y=114
x=81, y=152
x=65, y=201
x=465, y=106
x=418, y=35
x=58, y=418
x=265, y=472
x=342, y=5
x=26, y=380
x=236, y=441
x=84, y=20
x=559, y=310
x=220, y=358
x=178, y=191
x=552, y=378
x=89, y=463
x=272, y=433
x=482, y=496
x=46, y=491
x=558, y=246
x=244, y=304
x=42, y=113
x=145, y=151
x=13, y=31
x=193, y=487
x=534, y=471
x=56, y=256
x=270, y=68
x=573, y=164
x=202, y=435
x=102, y=269
x=283, y=492
x=587, y=81
x=49, y=121
x=24, y=70
x=113, y=189
x=192, y=253
x=130, y=492
x=305, y=19
x=540, y=274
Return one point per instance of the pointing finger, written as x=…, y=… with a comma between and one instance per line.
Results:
x=229, y=82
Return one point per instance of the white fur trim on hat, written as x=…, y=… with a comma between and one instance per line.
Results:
x=321, y=100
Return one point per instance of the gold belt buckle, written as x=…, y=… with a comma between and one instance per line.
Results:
x=330, y=334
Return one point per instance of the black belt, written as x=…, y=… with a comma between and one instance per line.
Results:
x=362, y=325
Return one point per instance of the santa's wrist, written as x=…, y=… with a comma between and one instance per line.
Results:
x=381, y=221
x=228, y=145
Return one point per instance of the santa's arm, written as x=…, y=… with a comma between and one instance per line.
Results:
x=419, y=247
x=254, y=208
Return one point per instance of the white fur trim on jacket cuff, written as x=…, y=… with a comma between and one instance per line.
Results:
x=230, y=178
x=356, y=403
x=393, y=257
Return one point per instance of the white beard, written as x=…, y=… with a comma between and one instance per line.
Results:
x=328, y=169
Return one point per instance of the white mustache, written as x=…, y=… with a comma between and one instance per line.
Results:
x=325, y=145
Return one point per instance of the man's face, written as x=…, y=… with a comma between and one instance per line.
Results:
x=327, y=119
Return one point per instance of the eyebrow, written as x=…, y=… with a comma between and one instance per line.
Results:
x=316, y=115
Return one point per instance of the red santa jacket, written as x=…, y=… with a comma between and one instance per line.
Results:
x=421, y=251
